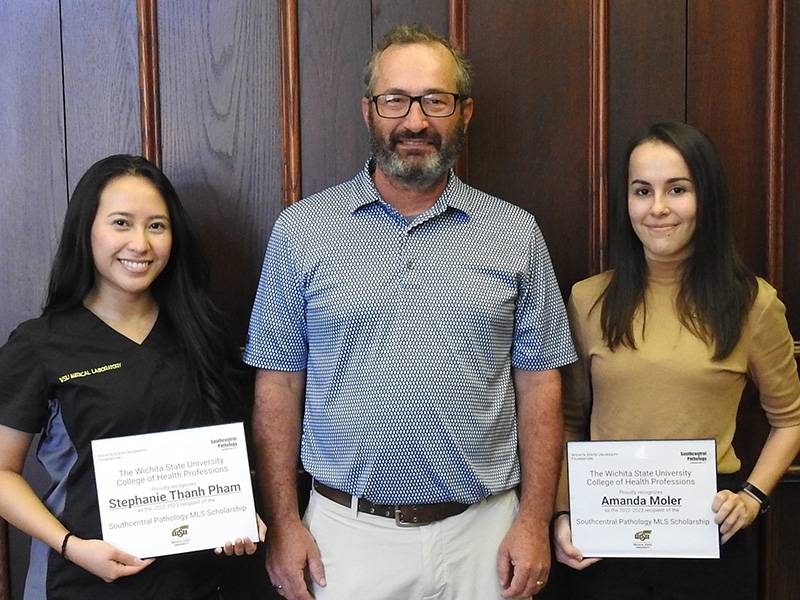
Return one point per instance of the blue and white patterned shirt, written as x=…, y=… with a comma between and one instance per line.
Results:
x=408, y=333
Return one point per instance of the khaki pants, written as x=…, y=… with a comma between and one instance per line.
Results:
x=367, y=557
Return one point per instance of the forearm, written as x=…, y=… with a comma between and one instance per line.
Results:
x=277, y=417
x=20, y=506
x=540, y=441
x=779, y=451
x=735, y=511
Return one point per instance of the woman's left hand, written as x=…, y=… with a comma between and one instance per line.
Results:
x=242, y=546
x=734, y=512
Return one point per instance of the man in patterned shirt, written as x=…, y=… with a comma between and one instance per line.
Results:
x=408, y=330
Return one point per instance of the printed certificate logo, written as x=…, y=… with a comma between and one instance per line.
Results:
x=695, y=457
x=641, y=539
x=180, y=535
x=228, y=443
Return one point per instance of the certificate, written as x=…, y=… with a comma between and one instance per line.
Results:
x=175, y=491
x=647, y=498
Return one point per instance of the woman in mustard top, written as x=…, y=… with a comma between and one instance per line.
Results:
x=667, y=341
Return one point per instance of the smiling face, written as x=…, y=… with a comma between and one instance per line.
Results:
x=416, y=150
x=662, y=203
x=131, y=238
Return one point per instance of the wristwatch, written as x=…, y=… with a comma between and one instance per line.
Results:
x=757, y=495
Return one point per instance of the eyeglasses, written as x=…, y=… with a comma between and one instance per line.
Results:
x=397, y=106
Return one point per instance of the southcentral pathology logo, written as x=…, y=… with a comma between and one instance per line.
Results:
x=228, y=443
x=642, y=539
x=695, y=457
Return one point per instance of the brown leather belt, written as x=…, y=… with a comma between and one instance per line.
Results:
x=405, y=515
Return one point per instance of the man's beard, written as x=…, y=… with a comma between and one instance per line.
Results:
x=416, y=171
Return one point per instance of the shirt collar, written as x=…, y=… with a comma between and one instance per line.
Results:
x=455, y=195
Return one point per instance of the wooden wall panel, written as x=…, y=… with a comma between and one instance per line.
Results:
x=781, y=551
x=791, y=234
x=33, y=180
x=335, y=41
x=101, y=93
x=149, y=79
x=32, y=171
x=647, y=72
x=528, y=141
x=388, y=13
x=5, y=591
x=726, y=99
x=220, y=112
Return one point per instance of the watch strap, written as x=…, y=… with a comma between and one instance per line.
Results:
x=755, y=493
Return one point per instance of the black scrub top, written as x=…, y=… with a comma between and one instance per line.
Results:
x=73, y=378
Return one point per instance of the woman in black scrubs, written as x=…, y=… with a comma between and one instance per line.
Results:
x=129, y=342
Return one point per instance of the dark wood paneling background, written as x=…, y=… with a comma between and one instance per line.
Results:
x=32, y=161
x=779, y=565
x=33, y=180
x=547, y=122
x=725, y=98
x=791, y=252
x=532, y=113
x=221, y=145
x=388, y=13
x=334, y=38
x=101, y=90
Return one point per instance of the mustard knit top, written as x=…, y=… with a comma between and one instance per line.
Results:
x=669, y=387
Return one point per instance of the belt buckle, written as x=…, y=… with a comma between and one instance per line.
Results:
x=397, y=514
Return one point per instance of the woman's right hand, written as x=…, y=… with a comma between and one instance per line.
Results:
x=566, y=553
x=103, y=559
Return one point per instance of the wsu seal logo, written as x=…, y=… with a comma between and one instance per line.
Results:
x=181, y=531
x=641, y=539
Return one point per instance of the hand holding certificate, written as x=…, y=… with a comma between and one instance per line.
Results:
x=643, y=498
x=175, y=491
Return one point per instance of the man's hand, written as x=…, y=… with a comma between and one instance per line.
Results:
x=290, y=549
x=566, y=553
x=104, y=560
x=523, y=560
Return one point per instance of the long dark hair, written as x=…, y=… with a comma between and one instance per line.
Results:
x=717, y=289
x=181, y=290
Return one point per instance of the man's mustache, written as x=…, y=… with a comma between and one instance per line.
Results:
x=429, y=136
